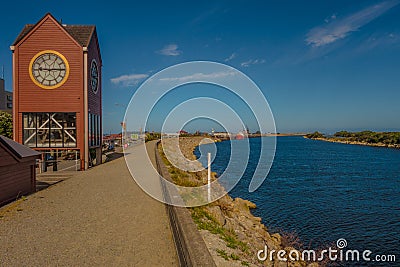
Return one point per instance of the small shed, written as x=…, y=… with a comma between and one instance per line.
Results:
x=17, y=170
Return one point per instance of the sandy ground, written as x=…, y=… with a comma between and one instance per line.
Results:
x=98, y=217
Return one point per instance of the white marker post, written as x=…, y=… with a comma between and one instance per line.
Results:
x=76, y=160
x=209, y=177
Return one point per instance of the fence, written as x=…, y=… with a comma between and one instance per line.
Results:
x=59, y=160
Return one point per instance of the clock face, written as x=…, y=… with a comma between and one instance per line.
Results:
x=94, y=76
x=49, y=69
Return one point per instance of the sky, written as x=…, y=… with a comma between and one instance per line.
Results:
x=321, y=65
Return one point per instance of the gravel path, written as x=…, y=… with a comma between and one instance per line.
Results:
x=98, y=217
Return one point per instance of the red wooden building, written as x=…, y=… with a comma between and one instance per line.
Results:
x=17, y=170
x=57, y=89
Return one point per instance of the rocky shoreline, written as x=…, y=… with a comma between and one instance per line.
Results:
x=233, y=235
x=335, y=140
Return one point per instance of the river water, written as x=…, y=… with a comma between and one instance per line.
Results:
x=325, y=191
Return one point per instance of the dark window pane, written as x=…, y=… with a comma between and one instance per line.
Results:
x=56, y=129
x=43, y=130
x=29, y=129
x=70, y=130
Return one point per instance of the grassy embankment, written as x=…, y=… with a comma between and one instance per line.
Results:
x=231, y=232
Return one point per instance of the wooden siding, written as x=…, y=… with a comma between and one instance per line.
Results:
x=68, y=97
x=31, y=98
x=6, y=159
x=15, y=182
x=94, y=100
x=16, y=178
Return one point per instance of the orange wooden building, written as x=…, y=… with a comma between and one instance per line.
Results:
x=57, y=103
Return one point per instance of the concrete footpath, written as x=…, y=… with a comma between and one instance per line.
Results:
x=98, y=217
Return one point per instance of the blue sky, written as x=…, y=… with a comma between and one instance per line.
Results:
x=322, y=65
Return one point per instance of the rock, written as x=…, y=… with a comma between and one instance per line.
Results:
x=260, y=229
x=294, y=253
x=268, y=263
x=242, y=236
x=216, y=213
x=277, y=239
x=280, y=264
x=232, y=225
x=225, y=203
x=314, y=264
x=256, y=219
x=242, y=205
x=272, y=245
x=296, y=264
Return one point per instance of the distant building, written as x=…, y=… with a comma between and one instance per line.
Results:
x=182, y=132
x=5, y=98
x=113, y=139
x=221, y=134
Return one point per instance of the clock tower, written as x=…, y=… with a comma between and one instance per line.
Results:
x=57, y=106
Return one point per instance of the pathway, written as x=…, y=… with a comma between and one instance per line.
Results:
x=98, y=217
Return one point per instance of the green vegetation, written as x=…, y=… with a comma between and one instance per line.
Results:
x=155, y=136
x=6, y=127
x=234, y=257
x=370, y=137
x=178, y=176
x=205, y=221
x=182, y=178
x=315, y=135
x=389, y=139
x=223, y=254
x=152, y=136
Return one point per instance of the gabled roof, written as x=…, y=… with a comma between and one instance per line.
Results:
x=82, y=34
x=18, y=150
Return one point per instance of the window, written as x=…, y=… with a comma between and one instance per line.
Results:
x=30, y=135
x=9, y=97
x=9, y=105
x=94, y=130
x=90, y=129
x=70, y=130
x=49, y=129
x=98, y=131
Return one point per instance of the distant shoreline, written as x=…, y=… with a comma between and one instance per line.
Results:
x=348, y=142
x=218, y=139
x=281, y=134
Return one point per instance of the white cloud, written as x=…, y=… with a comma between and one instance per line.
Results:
x=200, y=76
x=252, y=62
x=170, y=50
x=379, y=41
x=130, y=79
x=329, y=19
x=230, y=57
x=338, y=29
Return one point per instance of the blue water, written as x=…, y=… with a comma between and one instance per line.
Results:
x=325, y=191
